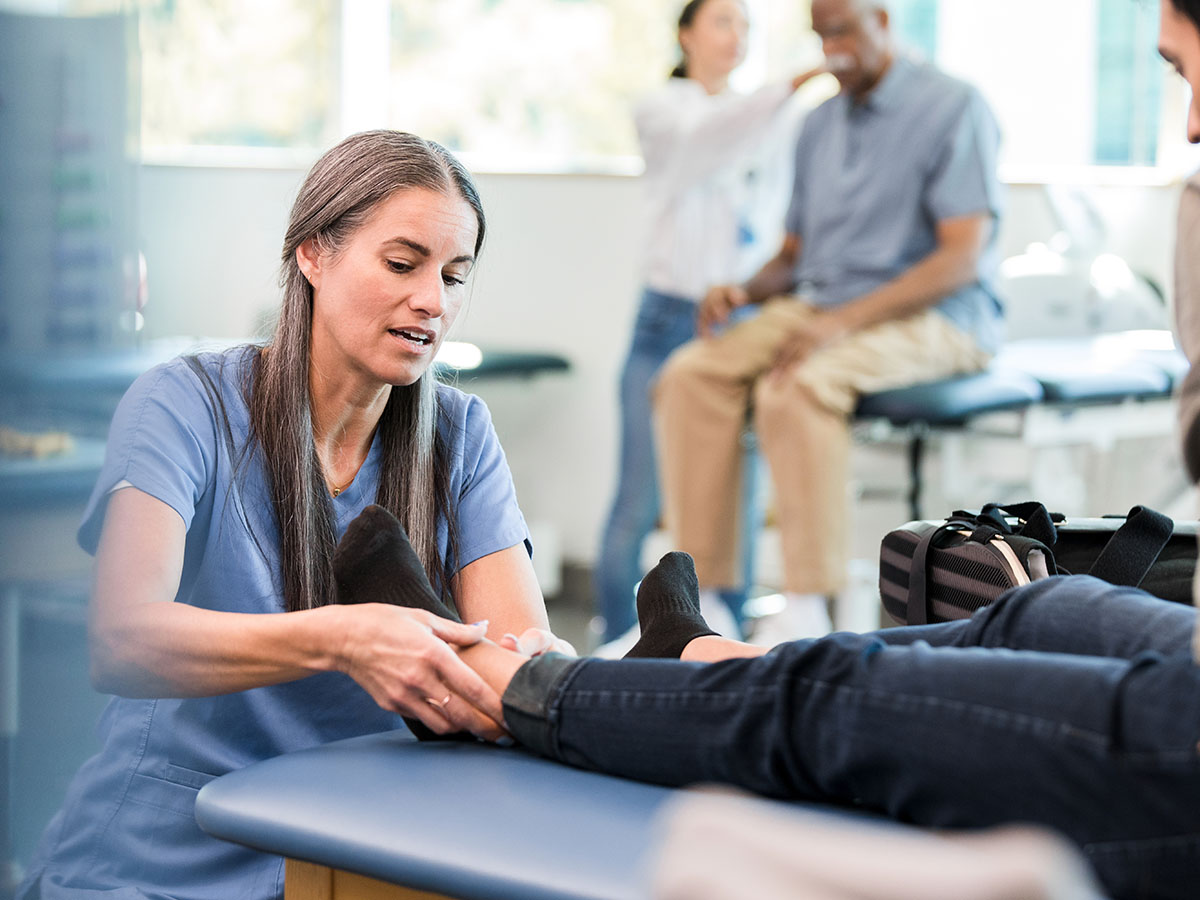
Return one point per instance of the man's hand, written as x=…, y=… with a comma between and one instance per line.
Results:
x=822, y=328
x=717, y=304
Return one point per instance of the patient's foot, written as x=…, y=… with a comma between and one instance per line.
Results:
x=375, y=563
x=668, y=604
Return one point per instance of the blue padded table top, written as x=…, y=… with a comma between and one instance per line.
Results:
x=952, y=400
x=468, y=820
x=1098, y=369
x=1105, y=368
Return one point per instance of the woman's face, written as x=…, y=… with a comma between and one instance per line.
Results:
x=1179, y=44
x=716, y=40
x=383, y=303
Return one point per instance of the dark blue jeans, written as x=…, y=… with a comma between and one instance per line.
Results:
x=664, y=323
x=1069, y=703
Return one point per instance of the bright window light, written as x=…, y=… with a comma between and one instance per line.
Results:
x=548, y=85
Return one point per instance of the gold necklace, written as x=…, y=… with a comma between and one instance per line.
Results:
x=335, y=490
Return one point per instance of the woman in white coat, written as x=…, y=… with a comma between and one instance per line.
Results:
x=697, y=138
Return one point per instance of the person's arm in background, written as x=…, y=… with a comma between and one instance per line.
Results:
x=952, y=265
x=684, y=147
x=775, y=277
x=778, y=274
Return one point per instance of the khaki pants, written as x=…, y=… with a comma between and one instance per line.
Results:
x=709, y=386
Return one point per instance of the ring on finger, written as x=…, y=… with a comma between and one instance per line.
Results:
x=439, y=703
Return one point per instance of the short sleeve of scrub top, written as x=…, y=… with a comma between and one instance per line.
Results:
x=489, y=518
x=162, y=441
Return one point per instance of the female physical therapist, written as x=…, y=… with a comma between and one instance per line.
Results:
x=227, y=481
x=697, y=137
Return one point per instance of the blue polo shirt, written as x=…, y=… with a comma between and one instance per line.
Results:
x=874, y=179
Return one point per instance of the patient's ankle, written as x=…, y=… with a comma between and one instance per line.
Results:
x=493, y=663
x=714, y=648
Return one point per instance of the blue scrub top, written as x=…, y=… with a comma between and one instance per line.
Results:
x=127, y=823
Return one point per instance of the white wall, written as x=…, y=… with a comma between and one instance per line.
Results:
x=558, y=273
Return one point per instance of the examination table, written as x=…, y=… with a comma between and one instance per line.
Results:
x=360, y=817
x=386, y=816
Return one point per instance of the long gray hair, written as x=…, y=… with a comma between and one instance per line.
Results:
x=340, y=193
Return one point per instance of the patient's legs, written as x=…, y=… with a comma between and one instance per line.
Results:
x=950, y=726
x=1104, y=750
x=1074, y=614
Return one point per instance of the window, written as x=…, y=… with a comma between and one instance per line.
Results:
x=528, y=83
x=1082, y=87
x=547, y=85
x=1128, y=83
x=224, y=73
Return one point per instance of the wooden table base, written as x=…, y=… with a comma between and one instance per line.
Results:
x=309, y=881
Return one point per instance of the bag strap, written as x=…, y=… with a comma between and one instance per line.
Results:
x=918, y=575
x=1036, y=522
x=1133, y=548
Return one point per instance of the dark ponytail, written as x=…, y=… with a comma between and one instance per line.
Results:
x=686, y=17
x=1190, y=8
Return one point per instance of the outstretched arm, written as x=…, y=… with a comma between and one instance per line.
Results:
x=143, y=644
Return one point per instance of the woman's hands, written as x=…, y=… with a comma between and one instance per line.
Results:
x=145, y=645
x=406, y=660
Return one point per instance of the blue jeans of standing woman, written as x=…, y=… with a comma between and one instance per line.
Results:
x=1069, y=703
x=664, y=323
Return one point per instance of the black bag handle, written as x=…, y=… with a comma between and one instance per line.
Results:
x=1036, y=522
x=1133, y=548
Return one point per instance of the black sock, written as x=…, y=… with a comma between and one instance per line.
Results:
x=668, y=605
x=375, y=563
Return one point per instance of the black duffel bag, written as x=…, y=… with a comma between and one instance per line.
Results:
x=936, y=571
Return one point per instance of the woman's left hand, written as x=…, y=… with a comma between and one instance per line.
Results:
x=535, y=642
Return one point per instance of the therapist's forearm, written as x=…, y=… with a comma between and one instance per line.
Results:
x=165, y=649
x=503, y=589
